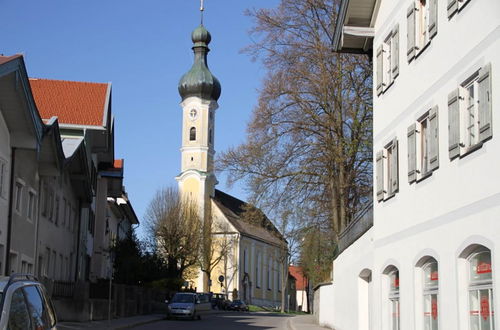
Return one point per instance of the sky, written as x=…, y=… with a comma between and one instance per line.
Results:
x=143, y=48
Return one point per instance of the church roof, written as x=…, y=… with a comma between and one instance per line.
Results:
x=254, y=224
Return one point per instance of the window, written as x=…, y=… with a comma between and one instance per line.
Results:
x=257, y=271
x=469, y=114
x=430, y=295
x=3, y=178
x=421, y=26
x=210, y=136
x=480, y=287
x=19, y=318
x=31, y=205
x=387, y=171
x=423, y=146
x=56, y=211
x=388, y=61
x=394, y=299
x=18, y=196
x=245, y=261
x=192, y=134
x=269, y=274
x=37, y=307
x=454, y=6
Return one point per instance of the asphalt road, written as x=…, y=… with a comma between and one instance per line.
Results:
x=230, y=321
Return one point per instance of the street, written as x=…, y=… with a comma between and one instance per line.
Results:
x=261, y=321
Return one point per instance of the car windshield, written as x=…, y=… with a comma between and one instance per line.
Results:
x=183, y=298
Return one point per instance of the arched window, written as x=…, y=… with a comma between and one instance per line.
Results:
x=480, y=287
x=192, y=134
x=394, y=299
x=430, y=294
x=210, y=136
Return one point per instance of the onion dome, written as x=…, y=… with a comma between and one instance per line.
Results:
x=199, y=81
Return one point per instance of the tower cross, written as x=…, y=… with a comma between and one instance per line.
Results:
x=202, y=9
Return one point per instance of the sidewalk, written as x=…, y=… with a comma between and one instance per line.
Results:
x=304, y=322
x=121, y=323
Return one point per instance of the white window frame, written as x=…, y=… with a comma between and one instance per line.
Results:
x=429, y=293
x=469, y=131
x=18, y=195
x=390, y=172
x=422, y=20
x=3, y=178
x=476, y=286
x=32, y=209
x=389, y=61
x=394, y=301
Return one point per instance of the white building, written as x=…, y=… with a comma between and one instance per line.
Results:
x=430, y=259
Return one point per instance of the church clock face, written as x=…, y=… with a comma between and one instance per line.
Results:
x=193, y=114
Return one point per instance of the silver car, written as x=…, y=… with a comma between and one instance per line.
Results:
x=187, y=305
x=24, y=304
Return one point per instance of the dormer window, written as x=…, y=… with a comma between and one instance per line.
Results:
x=192, y=134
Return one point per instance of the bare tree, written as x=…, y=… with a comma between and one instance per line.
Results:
x=309, y=140
x=217, y=245
x=175, y=228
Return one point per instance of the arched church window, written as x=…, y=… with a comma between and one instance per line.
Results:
x=192, y=134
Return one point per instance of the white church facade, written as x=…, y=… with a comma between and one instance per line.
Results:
x=430, y=260
x=257, y=259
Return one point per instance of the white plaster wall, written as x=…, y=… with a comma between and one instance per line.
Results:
x=4, y=204
x=327, y=305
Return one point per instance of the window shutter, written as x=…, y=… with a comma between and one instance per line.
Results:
x=452, y=8
x=410, y=16
x=394, y=167
x=412, y=153
x=380, y=70
x=484, y=83
x=434, y=138
x=453, y=124
x=395, y=52
x=433, y=18
x=379, y=165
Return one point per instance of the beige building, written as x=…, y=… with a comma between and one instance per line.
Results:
x=256, y=263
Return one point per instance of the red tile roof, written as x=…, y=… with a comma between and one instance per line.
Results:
x=5, y=59
x=118, y=163
x=296, y=272
x=73, y=102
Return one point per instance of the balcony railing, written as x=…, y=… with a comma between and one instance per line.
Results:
x=356, y=228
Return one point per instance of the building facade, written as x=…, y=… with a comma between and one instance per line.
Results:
x=255, y=264
x=430, y=260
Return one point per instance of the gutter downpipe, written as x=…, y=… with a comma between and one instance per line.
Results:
x=79, y=238
x=37, y=229
x=9, y=220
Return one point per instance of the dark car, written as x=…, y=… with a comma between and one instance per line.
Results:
x=25, y=304
x=218, y=300
x=238, y=305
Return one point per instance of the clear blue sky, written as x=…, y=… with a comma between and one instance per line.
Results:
x=143, y=48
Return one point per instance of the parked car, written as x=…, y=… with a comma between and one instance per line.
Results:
x=238, y=305
x=25, y=304
x=188, y=305
x=218, y=300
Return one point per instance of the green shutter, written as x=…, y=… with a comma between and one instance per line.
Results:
x=394, y=167
x=380, y=70
x=411, y=30
x=395, y=52
x=452, y=8
x=379, y=167
x=433, y=138
x=412, y=153
x=433, y=18
x=453, y=124
x=484, y=99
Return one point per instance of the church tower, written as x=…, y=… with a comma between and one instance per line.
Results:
x=199, y=90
